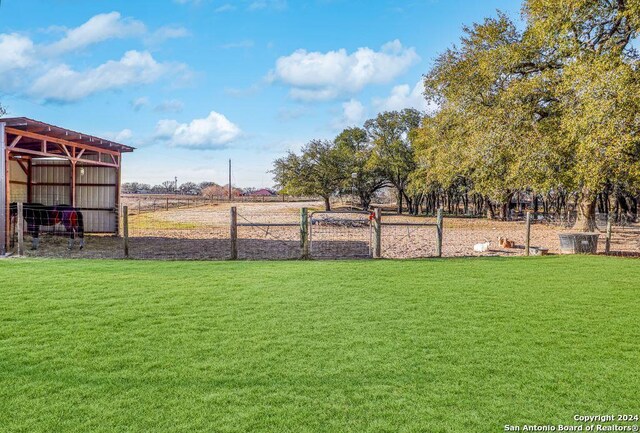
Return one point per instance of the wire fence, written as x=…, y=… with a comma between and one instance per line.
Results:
x=147, y=203
x=340, y=235
x=275, y=231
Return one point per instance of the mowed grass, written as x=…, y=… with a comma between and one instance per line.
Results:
x=458, y=345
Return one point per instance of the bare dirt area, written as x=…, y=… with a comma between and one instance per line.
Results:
x=203, y=233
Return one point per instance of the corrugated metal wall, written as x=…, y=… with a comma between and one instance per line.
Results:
x=51, y=186
x=56, y=177
x=100, y=194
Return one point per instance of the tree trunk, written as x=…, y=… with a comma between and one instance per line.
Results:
x=327, y=204
x=586, y=221
x=365, y=201
x=505, y=206
x=400, y=194
x=490, y=212
x=504, y=211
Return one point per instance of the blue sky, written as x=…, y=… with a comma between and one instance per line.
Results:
x=192, y=83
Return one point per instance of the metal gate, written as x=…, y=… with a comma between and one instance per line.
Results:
x=337, y=235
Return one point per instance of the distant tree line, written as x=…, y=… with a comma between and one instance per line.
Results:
x=205, y=189
x=548, y=112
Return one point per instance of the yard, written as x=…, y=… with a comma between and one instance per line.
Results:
x=452, y=345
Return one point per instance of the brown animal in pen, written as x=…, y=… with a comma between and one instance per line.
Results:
x=506, y=243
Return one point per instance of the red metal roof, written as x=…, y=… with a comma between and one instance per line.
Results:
x=30, y=125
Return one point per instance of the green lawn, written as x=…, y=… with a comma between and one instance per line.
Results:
x=458, y=345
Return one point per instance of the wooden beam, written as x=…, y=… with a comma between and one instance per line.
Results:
x=73, y=183
x=53, y=155
x=64, y=148
x=35, y=136
x=4, y=192
x=22, y=165
x=15, y=141
x=117, y=195
x=29, y=180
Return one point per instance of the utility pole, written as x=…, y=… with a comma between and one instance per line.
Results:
x=229, y=179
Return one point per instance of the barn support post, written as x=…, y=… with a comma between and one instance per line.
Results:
x=527, y=246
x=73, y=184
x=439, y=232
x=118, y=201
x=29, y=180
x=234, y=233
x=125, y=230
x=4, y=177
x=377, y=233
x=304, y=233
x=20, y=228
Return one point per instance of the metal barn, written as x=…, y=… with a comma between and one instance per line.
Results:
x=42, y=163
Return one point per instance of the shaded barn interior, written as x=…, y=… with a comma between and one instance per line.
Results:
x=46, y=164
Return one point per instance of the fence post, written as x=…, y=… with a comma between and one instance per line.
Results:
x=167, y=206
x=527, y=245
x=234, y=233
x=125, y=229
x=607, y=245
x=304, y=233
x=20, y=228
x=439, y=232
x=377, y=233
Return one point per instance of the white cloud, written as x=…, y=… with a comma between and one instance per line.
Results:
x=139, y=103
x=404, y=96
x=124, y=136
x=214, y=131
x=353, y=113
x=323, y=76
x=63, y=84
x=16, y=52
x=99, y=28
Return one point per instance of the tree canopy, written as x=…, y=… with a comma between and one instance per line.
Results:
x=554, y=106
x=549, y=107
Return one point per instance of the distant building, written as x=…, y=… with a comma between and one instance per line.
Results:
x=261, y=193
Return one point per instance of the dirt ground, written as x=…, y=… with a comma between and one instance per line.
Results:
x=202, y=233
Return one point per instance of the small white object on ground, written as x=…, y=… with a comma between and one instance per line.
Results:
x=481, y=248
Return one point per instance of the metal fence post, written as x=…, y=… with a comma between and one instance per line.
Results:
x=527, y=246
x=377, y=234
x=607, y=245
x=234, y=233
x=439, y=232
x=20, y=228
x=125, y=230
x=304, y=233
